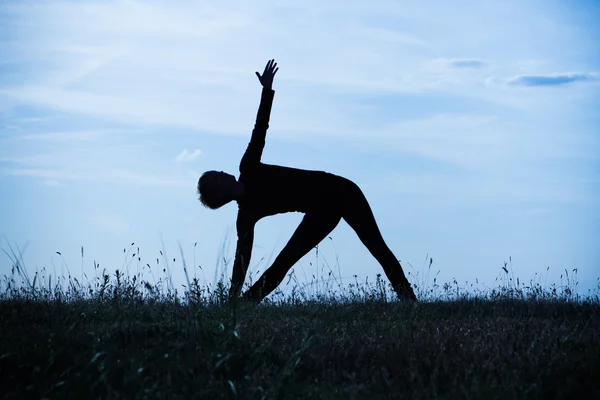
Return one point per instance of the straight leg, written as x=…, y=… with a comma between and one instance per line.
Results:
x=357, y=213
x=313, y=228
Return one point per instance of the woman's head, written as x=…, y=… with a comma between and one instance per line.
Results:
x=216, y=188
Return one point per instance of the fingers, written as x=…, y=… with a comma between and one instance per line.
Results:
x=270, y=67
x=267, y=67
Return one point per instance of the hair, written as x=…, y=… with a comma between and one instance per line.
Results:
x=205, y=192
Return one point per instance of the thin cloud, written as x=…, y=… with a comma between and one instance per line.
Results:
x=110, y=222
x=109, y=175
x=389, y=35
x=552, y=80
x=61, y=136
x=448, y=64
x=52, y=183
x=188, y=155
x=466, y=63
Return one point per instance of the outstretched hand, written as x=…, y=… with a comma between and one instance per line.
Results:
x=266, y=79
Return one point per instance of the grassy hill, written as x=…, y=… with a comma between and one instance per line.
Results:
x=123, y=338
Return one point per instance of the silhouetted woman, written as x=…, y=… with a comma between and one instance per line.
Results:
x=262, y=190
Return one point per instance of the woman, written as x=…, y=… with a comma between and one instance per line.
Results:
x=264, y=190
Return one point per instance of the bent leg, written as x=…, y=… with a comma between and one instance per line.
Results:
x=357, y=213
x=311, y=231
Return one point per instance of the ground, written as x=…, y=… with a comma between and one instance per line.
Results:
x=126, y=343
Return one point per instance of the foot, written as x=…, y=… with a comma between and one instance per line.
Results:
x=251, y=297
x=406, y=293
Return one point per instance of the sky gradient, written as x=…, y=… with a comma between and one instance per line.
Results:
x=471, y=126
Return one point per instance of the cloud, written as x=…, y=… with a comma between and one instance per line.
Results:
x=61, y=136
x=466, y=63
x=369, y=77
x=448, y=64
x=188, y=155
x=552, y=80
x=389, y=35
x=528, y=188
x=52, y=183
x=110, y=222
x=113, y=175
x=155, y=72
x=160, y=106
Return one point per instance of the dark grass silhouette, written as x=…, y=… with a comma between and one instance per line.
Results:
x=263, y=190
x=129, y=337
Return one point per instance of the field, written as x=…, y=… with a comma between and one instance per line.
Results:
x=121, y=337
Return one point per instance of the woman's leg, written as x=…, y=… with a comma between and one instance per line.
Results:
x=357, y=213
x=313, y=228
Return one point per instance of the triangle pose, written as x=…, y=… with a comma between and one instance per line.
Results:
x=263, y=190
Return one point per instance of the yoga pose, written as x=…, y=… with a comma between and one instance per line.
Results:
x=262, y=190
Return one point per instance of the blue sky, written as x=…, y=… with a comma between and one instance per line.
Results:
x=471, y=126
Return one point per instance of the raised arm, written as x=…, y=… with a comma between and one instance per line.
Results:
x=254, y=150
x=243, y=252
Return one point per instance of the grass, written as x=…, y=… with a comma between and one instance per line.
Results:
x=122, y=337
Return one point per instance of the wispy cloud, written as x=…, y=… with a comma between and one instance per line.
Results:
x=188, y=155
x=473, y=188
x=471, y=141
x=394, y=36
x=553, y=80
x=116, y=176
x=150, y=106
x=110, y=222
x=68, y=137
x=399, y=59
x=446, y=64
x=466, y=63
x=186, y=80
x=52, y=183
